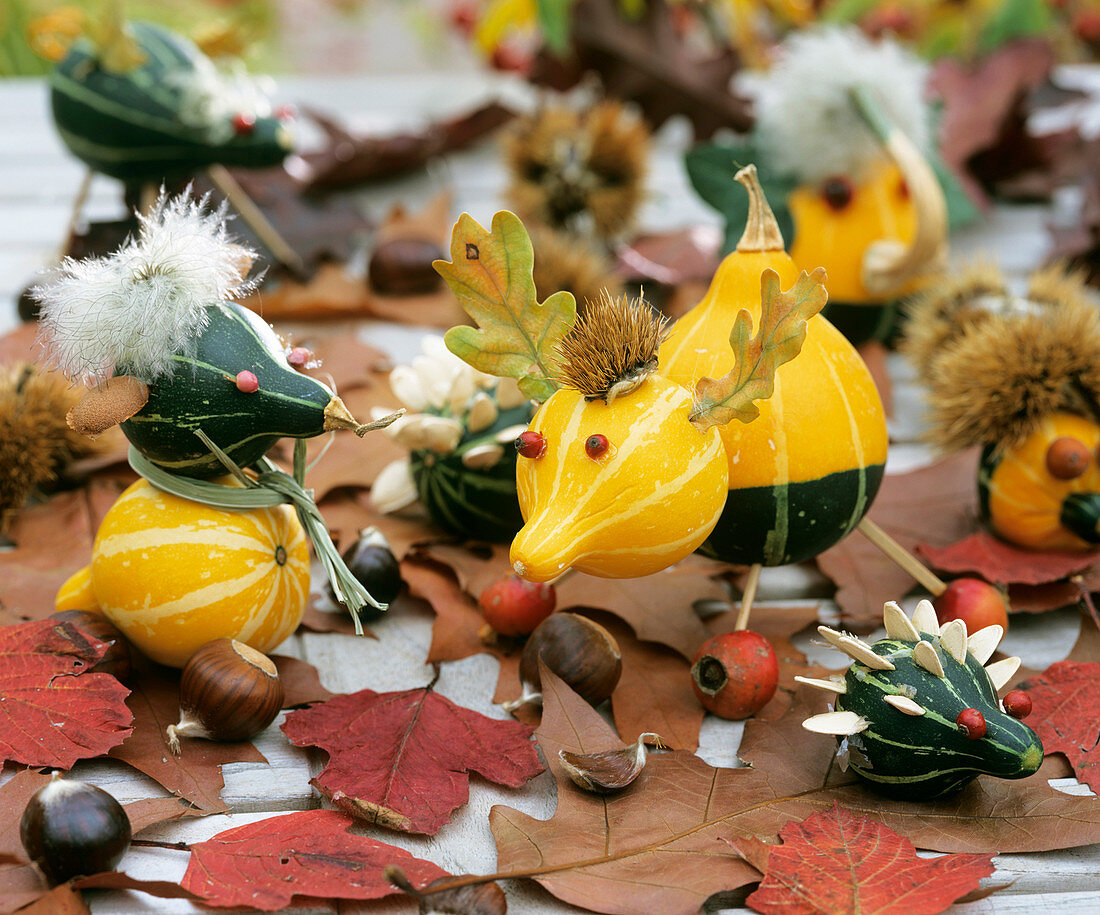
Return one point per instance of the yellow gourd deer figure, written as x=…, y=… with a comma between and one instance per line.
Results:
x=633, y=458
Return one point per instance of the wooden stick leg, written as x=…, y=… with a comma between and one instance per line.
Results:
x=748, y=597
x=74, y=217
x=900, y=555
x=254, y=217
x=149, y=194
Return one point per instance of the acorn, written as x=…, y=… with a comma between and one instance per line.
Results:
x=116, y=661
x=403, y=266
x=70, y=829
x=609, y=771
x=228, y=691
x=375, y=567
x=581, y=652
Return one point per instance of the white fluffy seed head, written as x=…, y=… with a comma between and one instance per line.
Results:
x=148, y=301
x=806, y=123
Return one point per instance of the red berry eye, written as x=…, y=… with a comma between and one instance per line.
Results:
x=1067, y=458
x=244, y=123
x=531, y=444
x=971, y=723
x=837, y=191
x=285, y=113
x=247, y=382
x=596, y=445
x=1017, y=703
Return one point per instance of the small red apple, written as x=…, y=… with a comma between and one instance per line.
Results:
x=514, y=607
x=977, y=603
x=735, y=674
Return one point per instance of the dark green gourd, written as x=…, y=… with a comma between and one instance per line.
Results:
x=140, y=125
x=896, y=708
x=202, y=394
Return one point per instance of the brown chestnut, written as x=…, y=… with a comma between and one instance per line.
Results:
x=403, y=266
x=228, y=691
x=116, y=661
x=581, y=652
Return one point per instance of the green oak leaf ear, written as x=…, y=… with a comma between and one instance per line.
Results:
x=516, y=337
x=783, y=317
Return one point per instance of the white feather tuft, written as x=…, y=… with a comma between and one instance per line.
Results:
x=148, y=301
x=806, y=124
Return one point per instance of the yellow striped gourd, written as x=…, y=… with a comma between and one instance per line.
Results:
x=173, y=574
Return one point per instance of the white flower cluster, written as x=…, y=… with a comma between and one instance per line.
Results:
x=805, y=120
x=446, y=398
x=146, y=302
x=210, y=98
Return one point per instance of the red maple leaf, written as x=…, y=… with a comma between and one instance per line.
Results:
x=54, y=711
x=401, y=759
x=265, y=864
x=1002, y=563
x=835, y=861
x=1066, y=715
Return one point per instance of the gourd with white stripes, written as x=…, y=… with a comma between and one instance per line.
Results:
x=917, y=714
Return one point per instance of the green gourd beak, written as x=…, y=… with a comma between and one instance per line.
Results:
x=1081, y=515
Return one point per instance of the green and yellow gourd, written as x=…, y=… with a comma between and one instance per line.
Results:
x=803, y=473
x=167, y=115
x=900, y=708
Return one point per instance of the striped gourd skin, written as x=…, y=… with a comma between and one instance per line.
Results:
x=648, y=502
x=473, y=503
x=922, y=757
x=880, y=209
x=199, y=395
x=172, y=574
x=127, y=125
x=1022, y=501
x=805, y=471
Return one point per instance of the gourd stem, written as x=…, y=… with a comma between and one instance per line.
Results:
x=253, y=216
x=747, y=597
x=761, y=229
x=904, y=559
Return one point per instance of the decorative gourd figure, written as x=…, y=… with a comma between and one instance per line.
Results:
x=201, y=387
x=917, y=715
x=1019, y=376
x=802, y=475
x=841, y=129
x=622, y=472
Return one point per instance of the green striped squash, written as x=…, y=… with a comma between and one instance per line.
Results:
x=478, y=503
x=202, y=394
x=135, y=125
x=925, y=756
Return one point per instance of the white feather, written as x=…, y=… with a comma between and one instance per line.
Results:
x=148, y=301
x=806, y=124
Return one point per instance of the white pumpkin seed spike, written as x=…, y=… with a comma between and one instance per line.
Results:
x=924, y=618
x=924, y=655
x=984, y=642
x=953, y=639
x=858, y=650
x=483, y=412
x=906, y=705
x=840, y=724
x=482, y=457
x=897, y=623
x=830, y=686
x=1000, y=672
x=830, y=635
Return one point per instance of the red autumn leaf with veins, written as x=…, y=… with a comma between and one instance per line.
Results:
x=1066, y=715
x=54, y=711
x=265, y=864
x=401, y=759
x=999, y=562
x=834, y=861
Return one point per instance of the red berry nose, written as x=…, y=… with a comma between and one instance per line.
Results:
x=971, y=723
x=299, y=356
x=596, y=445
x=838, y=192
x=531, y=444
x=244, y=123
x=285, y=113
x=1017, y=703
x=247, y=382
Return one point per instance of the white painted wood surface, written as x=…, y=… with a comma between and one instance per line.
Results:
x=37, y=182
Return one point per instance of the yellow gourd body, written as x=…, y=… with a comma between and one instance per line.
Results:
x=1027, y=505
x=803, y=473
x=644, y=504
x=173, y=574
x=837, y=238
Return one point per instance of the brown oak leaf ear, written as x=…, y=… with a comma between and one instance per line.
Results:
x=110, y=403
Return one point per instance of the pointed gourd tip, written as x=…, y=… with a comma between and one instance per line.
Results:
x=761, y=228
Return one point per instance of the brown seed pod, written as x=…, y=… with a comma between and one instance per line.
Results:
x=116, y=661
x=581, y=652
x=609, y=771
x=403, y=266
x=228, y=691
x=107, y=405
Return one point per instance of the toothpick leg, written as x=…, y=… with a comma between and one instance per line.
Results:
x=748, y=597
x=897, y=553
x=254, y=217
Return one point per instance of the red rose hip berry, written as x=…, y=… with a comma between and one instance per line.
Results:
x=971, y=723
x=1017, y=703
x=735, y=674
x=514, y=607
